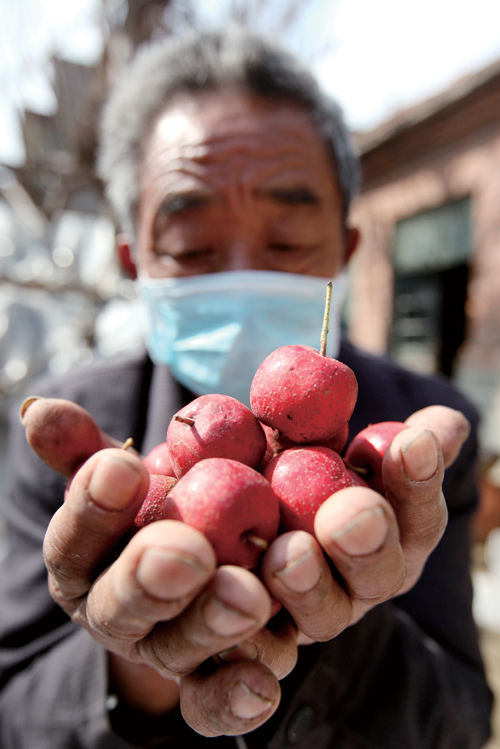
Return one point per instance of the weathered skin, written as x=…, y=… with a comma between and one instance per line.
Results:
x=153, y=507
x=306, y=396
x=62, y=433
x=303, y=478
x=226, y=500
x=223, y=428
x=367, y=451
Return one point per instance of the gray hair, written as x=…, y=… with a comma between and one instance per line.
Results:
x=204, y=61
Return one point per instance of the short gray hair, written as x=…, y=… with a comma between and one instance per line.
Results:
x=204, y=61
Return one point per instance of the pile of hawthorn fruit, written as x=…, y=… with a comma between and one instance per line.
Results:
x=242, y=476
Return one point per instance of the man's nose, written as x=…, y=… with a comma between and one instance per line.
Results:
x=241, y=254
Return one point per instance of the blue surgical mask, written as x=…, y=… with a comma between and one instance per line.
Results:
x=215, y=330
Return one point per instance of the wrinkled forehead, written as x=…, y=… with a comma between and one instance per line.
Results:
x=235, y=136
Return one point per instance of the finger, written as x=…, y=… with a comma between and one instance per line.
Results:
x=275, y=646
x=102, y=503
x=413, y=469
x=450, y=426
x=62, y=433
x=358, y=530
x=235, y=699
x=295, y=571
x=231, y=608
x=156, y=577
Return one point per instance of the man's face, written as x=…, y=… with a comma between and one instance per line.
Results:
x=234, y=182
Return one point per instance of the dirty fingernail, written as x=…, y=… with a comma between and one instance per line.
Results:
x=243, y=651
x=420, y=457
x=224, y=620
x=301, y=574
x=247, y=704
x=167, y=574
x=26, y=404
x=114, y=483
x=364, y=535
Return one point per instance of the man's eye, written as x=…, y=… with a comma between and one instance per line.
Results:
x=180, y=203
x=283, y=247
x=193, y=255
x=297, y=196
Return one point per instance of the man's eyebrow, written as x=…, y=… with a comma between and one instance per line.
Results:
x=296, y=195
x=176, y=203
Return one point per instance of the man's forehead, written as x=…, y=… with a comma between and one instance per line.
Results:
x=209, y=123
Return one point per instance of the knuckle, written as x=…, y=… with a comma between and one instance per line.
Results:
x=327, y=624
x=164, y=658
x=61, y=561
x=386, y=589
x=69, y=603
x=429, y=531
x=109, y=629
x=283, y=662
x=277, y=652
x=65, y=591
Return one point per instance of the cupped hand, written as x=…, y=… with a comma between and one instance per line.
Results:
x=379, y=546
x=163, y=603
x=162, y=608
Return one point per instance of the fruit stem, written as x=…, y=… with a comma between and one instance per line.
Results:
x=324, y=330
x=184, y=420
x=128, y=443
x=358, y=469
x=251, y=538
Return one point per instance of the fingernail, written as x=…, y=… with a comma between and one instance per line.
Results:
x=224, y=620
x=245, y=703
x=301, y=574
x=169, y=574
x=364, y=535
x=420, y=457
x=243, y=651
x=114, y=483
x=26, y=404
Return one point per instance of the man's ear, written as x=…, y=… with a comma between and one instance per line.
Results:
x=125, y=254
x=353, y=236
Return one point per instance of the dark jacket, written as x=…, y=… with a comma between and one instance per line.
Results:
x=407, y=676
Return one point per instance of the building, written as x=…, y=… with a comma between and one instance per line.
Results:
x=425, y=285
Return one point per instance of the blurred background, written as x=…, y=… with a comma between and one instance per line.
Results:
x=420, y=88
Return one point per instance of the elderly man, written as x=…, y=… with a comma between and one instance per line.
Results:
x=232, y=177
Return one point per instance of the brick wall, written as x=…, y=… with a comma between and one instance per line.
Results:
x=452, y=154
